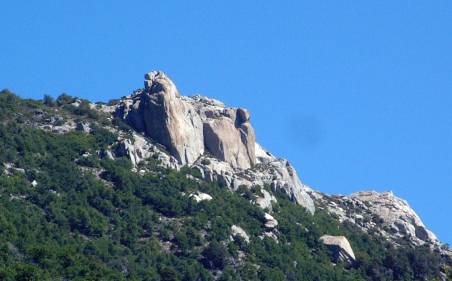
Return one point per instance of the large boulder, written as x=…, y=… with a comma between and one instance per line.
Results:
x=200, y=196
x=340, y=247
x=270, y=221
x=237, y=231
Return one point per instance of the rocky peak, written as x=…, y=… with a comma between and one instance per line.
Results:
x=198, y=130
x=396, y=214
x=379, y=212
x=189, y=126
x=158, y=82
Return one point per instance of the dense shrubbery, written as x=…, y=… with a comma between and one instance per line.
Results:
x=124, y=226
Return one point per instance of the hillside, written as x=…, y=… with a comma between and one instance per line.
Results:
x=159, y=186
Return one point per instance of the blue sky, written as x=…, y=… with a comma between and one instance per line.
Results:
x=356, y=94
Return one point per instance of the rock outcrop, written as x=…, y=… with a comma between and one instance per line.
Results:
x=198, y=130
x=237, y=231
x=189, y=126
x=340, y=247
x=138, y=148
x=227, y=143
x=382, y=213
x=162, y=115
x=270, y=221
x=200, y=196
x=266, y=200
x=275, y=173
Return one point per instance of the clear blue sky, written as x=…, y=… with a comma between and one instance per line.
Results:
x=356, y=94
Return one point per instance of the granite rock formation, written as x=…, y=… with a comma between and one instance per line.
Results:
x=203, y=133
x=339, y=245
x=382, y=213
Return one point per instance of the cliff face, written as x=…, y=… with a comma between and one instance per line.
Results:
x=189, y=127
x=203, y=133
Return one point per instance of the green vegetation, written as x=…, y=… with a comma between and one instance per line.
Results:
x=90, y=218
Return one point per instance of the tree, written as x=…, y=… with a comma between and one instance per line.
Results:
x=215, y=256
x=64, y=99
x=48, y=100
x=169, y=274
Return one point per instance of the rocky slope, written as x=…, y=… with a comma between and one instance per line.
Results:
x=220, y=143
x=380, y=213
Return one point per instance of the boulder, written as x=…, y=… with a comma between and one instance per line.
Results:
x=238, y=231
x=269, y=234
x=340, y=247
x=199, y=196
x=270, y=221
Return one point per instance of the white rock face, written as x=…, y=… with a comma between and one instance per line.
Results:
x=10, y=168
x=396, y=213
x=269, y=234
x=342, y=251
x=383, y=212
x=230, y=144
x=83, y=127
x=271, y=222
x=198, y=197
x=238, y=231
x=266, y=201
x=286, y=177
x=189, y=126
x=139, y=148
x=277, y=173
x=196, y=128
x=160, y=112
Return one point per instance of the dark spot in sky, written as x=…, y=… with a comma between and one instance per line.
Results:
x=305, y=130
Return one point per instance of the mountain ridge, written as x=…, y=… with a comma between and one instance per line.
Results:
x=161, y=95
x=178, y=158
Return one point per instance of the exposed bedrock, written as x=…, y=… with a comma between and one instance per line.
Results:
x=195, y=128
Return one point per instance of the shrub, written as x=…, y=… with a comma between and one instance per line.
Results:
x=205, y=161
x=215, y=256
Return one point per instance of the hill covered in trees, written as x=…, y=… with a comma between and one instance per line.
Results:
x=69, y=210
